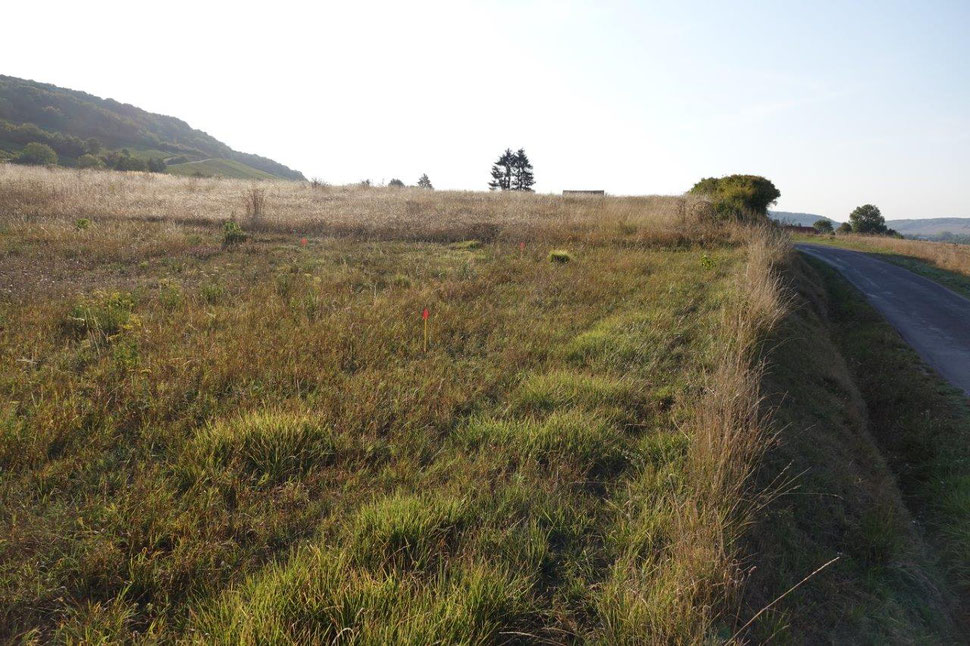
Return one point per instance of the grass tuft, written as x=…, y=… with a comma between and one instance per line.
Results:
x=270, y=446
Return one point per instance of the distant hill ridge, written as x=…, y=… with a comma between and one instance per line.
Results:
x=800, y=219
x=932, y=226
x=944, y=229
x=67, y=119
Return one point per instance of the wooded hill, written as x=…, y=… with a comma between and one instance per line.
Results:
x=75, y=123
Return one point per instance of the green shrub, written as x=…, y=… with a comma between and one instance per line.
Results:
x=89, y=161
x=823, y=226
x=232, y=234
x=559, y=256
x=82, y=224
x=741, y=197
x=36, y=154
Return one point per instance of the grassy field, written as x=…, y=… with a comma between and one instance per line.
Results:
x=254, y=443
x=217, y=168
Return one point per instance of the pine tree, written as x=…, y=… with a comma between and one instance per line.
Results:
x=522, y=177
x=502, y=171
x=424, y=182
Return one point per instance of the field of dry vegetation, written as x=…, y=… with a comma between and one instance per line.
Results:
x=252, y=444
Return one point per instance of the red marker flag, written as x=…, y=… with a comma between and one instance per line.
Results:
x=424, y=315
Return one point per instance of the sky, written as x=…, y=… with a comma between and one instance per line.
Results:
x=838, y=103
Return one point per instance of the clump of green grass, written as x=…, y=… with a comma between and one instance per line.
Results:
x=409, y=532
x=320, y=597
x=559, y=256
x=611, y=397
x=211, y=292
x=569, y=436
x=82, y=224
x=467, y=245
x=169, y=294
x=270, y=446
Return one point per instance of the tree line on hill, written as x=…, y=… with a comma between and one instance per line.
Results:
x=39, y=154
x=67, y=120
x=864, y=220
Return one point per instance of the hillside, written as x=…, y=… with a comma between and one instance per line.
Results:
x=950, y=229
x=74, y=123
x=800, y=219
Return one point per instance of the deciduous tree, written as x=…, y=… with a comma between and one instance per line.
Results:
x=867, y=219
x=823, y=226
x=37, y=154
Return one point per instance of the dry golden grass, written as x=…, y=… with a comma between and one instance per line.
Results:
x=250, y=444
x=28, y=193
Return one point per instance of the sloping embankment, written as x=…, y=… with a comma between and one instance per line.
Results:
x=859, y=472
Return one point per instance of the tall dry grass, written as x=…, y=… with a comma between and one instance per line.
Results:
x=690, y=593
x=30, y=193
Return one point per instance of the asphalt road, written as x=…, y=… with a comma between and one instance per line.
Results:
x=931, y=318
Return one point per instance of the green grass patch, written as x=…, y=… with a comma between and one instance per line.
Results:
x=319, y=597
x=585, y=441
x=218, y=168
x=271, y=446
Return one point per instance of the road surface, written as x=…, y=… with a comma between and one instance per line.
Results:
x=931, y=318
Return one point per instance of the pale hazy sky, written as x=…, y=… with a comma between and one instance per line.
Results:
x=839, y=103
